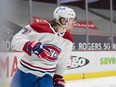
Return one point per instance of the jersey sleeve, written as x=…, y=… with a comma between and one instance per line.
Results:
x=30, y=32
x=63, y=60
x=21, y=38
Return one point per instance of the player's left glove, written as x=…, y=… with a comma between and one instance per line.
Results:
x=37, y=48
x=58, y=81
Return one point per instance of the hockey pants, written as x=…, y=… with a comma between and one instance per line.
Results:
x=22, y=79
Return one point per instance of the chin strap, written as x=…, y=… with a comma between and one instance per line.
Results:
x=61, y=33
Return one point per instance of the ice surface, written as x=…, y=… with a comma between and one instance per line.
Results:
x=93, y=82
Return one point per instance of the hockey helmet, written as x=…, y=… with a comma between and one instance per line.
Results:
x=64, y=12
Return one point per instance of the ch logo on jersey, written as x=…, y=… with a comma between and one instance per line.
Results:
x=54, y=52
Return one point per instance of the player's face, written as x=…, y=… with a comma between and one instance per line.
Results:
x=70, y=24
x=62, y=20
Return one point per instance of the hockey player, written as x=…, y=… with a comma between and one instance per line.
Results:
x=47, y=47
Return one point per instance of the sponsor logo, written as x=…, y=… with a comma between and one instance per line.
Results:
x=107, y=60
x=76, y=62
x=79, y=24
x=8, y=66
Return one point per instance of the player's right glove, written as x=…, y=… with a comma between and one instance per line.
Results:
x=58, y=81
x=37, y=48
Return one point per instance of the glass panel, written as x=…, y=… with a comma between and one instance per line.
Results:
x=100, y=34
x=114, y=24
x=42, y=11
x=14, y=14
x=79, y=31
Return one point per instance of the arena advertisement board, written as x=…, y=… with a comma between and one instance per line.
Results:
x=9, y=63
x=8, y=66
x=91, y=61
x=80, y=62
x=79, y=24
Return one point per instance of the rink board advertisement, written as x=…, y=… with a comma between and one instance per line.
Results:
x=91, y=61
x=80, y=62
x=8, y=65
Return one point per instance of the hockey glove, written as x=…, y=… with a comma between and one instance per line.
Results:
x=58, y=81
x=37, y=48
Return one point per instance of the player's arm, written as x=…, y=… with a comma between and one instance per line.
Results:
x=19, y=39
x=62, y=67
x=24, y=41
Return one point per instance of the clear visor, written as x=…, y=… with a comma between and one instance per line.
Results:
x=69, y=22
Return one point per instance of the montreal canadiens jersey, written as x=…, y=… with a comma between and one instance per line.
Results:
x=60, y=48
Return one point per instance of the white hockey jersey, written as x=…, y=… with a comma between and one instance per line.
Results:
x=61, y=49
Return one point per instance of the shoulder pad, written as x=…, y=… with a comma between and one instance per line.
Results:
x=68, y=36
x=41, y=27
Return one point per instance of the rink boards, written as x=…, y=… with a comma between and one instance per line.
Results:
x=82, y=65
x=91, y=64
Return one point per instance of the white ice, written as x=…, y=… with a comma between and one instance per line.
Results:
x=93, y=82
